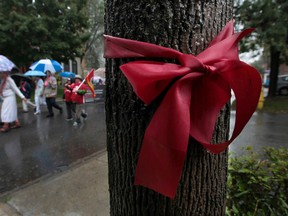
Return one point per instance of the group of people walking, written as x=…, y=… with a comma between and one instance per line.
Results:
x=74, y=92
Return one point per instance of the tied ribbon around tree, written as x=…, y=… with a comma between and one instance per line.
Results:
x=191, y=105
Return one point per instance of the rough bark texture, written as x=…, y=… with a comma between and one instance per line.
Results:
x=187, y=26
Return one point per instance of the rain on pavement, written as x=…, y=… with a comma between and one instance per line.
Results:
x=263, y=130
x=44, y=146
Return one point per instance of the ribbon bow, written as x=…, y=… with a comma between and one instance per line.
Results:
x=191, y=105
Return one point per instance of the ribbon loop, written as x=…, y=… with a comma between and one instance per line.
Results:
x=191, y=105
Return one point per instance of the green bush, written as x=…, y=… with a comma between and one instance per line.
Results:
x=258, y=184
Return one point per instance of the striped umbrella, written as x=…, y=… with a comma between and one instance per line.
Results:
x=46, y=64
x=6, y=64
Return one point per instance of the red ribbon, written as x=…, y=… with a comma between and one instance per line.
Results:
x=191, y=105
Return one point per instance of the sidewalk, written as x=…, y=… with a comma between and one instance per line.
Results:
x=79, y=191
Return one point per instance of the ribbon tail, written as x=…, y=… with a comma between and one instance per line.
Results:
x=165, y=142
x=209, y=94
x=226, y=49
x=115, y=47
x=245, y=81
x=226, y=32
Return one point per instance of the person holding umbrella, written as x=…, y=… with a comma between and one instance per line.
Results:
x=8, y=91
x=50, y=92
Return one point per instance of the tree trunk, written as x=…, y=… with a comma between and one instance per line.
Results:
x=187, y=26
x=274, y=61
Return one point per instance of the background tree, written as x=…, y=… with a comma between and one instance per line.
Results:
x=270, y=18
x=93, y=48
x=188, y=26
x=50, y=28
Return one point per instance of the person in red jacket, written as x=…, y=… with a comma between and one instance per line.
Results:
x=78, y=91
x=70, y=106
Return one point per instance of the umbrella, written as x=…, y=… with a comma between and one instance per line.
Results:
x=18, y=76
x=100, y=72
x=46, y=64
x=67, y=74
x=34, y=73
x=6, y=64
x=96, y=79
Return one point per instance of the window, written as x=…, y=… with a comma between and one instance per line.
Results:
x=74, y=66
x=66, y=66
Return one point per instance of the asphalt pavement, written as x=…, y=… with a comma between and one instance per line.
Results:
x=50, y=167
x=46, y=146
x=80, y=191
x=77, y=183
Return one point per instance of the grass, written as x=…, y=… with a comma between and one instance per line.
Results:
x=277, y=104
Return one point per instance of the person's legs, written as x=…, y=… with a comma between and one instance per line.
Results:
x=37, y=103
x=83, y=113
x=73, y=108
x=5, y=127
x=43, y=100
x=16, y=125
x=54, y=104
x=25, y=106
x=49, y=107
x=69, y=110
x=77, y=115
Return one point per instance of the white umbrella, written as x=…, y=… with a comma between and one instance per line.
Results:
x=96, y=79
x=46, y=64
x=6, y=64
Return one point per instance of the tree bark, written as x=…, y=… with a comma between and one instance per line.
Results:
x=275, y=61
x=187, y=26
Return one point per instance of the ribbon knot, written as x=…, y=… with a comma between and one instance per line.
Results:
x=195, y=65
x=191, y=105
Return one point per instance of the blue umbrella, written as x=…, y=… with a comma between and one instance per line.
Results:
x=67, y=74
x=46, y=64
x=6, y=64
x=34, y=73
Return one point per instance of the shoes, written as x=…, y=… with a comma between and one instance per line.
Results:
x=37, y=113
x=49, y=115
x=76, y=123
x=69, y=119
x=25, y=111
x=17, y=125
x=4, y=129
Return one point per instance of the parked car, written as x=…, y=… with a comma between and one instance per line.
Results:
x=282, y=85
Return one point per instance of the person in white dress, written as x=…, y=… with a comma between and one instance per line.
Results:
x=8, y=91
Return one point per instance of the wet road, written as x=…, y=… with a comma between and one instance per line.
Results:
x=48, y=145
x=263, y=130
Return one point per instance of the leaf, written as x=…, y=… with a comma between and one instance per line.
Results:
x=242, y=193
